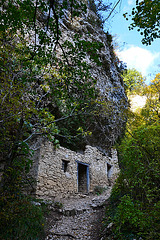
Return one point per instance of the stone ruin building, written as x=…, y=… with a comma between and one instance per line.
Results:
x=62, y=172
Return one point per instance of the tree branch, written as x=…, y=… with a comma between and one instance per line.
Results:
x=112, y=10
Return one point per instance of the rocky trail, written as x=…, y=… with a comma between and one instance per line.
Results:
x=77, y=218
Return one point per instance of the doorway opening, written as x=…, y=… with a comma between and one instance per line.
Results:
x=83, y=177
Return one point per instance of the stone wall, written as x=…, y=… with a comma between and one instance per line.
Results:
x=63, y=172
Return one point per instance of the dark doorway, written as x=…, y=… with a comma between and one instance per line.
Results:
x=83, y=178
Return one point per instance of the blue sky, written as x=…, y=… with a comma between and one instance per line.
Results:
x=143, y=58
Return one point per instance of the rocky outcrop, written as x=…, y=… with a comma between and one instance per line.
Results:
x=108, y=124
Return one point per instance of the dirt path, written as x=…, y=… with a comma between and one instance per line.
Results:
x=79, y=219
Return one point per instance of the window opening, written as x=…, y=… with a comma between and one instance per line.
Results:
x=109, y=170
x=65, y=165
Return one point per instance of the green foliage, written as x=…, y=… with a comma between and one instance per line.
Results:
x=139, y=153
x=127, y=218
x=20, y=219
x=98, y=7
x=146, y=17
x=151, y=110
x=133, y=81
x=99, y=190
x=134, y=207
x=135, y=197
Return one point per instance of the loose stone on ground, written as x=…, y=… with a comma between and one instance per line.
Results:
x=79, y=219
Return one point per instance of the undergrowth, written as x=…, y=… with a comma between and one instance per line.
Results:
x=21, y=218
x=134, y=208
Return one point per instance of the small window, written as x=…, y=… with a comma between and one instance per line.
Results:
x=109, y=170
x=65, y=165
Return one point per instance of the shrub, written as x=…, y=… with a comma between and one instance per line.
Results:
x=134, y=206
x=99, y=190
x=20, y=219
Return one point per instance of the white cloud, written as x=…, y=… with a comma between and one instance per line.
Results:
x=128, y=7
x=138, y=58
x=130, y=2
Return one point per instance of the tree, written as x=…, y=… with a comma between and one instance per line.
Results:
x=155, y=85
x=137, y=189
x=133, y=81
x=98, y=7
x=134, y=204
x=146, y=17
x=151, y=111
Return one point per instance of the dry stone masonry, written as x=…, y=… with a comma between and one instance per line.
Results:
x=62, y=172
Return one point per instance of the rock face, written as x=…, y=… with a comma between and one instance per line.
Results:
x=109, y=123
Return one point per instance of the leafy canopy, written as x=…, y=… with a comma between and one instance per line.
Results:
x=133, y=81
x=146, y=17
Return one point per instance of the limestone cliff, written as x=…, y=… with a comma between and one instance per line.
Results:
x=108, y=124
